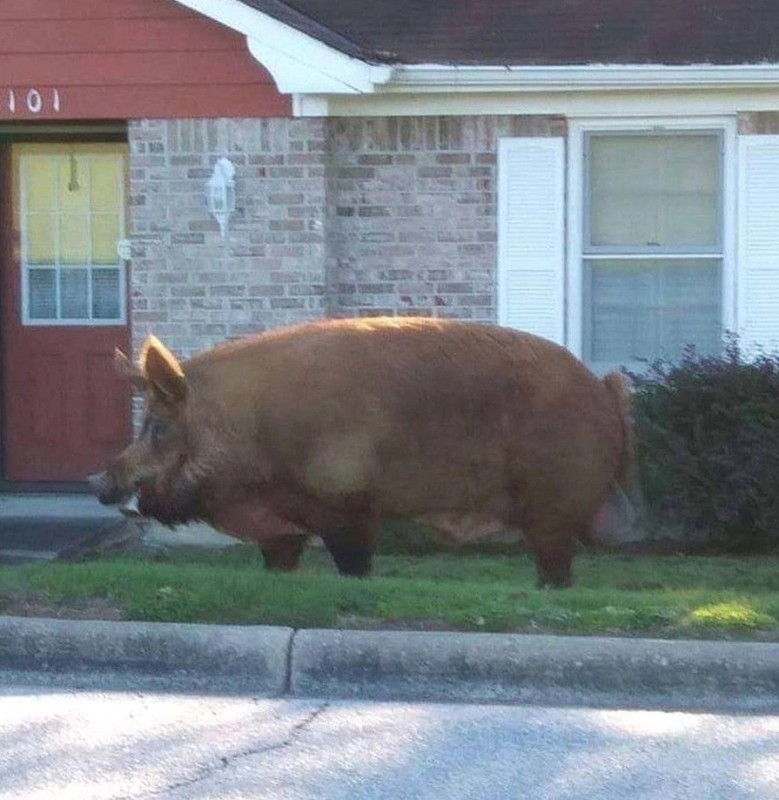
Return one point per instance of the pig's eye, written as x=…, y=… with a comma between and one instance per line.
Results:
x=157, y=431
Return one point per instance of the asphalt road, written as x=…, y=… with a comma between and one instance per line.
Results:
x=83, y=743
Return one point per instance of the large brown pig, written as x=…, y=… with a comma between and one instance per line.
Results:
x=328, y=427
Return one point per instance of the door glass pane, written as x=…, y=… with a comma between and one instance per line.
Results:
x=74, y=184
x=74, y=239
x=40, y=187
x=42, y=294
x=40, y=239
x=105, y=235
x=106, y=294
x=641, y=309
x=74, y=297
x=106, y=187
x=71, y=218
x=649, y=191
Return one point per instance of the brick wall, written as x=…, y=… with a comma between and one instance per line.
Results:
x=334, y=217
x=758, y=123
x=412, y=213
x=189, y=286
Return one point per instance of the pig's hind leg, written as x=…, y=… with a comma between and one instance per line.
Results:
x=350, y=539
x=352, y=552
x=283, y=553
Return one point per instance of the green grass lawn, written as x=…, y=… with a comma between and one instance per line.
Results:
x=669, y=596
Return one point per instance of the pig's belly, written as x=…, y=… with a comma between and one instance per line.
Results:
x=253, y=522
x=463, y=528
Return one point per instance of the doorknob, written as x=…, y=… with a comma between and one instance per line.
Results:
x=124, y=249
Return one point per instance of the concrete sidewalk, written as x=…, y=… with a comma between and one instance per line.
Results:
x=419, y=666
x=46, y=527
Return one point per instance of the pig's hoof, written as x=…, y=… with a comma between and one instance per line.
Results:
x=353, y=562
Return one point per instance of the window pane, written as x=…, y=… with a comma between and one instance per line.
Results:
x=642, y=309
x=74, y=298
x=41, y=294
x=651, y=191
x=105, y=294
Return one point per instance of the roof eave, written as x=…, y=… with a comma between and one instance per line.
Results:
x=302, y=65
x=315, y=68
x=299, y=63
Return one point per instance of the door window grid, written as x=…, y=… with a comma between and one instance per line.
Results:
x=48, y=296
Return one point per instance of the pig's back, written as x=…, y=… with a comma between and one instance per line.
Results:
x=426, y=415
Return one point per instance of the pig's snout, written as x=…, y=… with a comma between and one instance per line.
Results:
x=106, y=489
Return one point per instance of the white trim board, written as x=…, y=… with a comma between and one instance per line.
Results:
x=591, y=104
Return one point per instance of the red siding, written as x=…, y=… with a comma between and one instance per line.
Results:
x=125, y=59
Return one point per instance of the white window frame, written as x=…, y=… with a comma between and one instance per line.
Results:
x=577, y=130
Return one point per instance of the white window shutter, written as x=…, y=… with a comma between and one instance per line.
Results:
x=531, y=235
x=758, y=242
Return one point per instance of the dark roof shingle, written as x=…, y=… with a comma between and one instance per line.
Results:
x=540, y=32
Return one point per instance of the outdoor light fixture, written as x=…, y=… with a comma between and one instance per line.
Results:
x=220, y=194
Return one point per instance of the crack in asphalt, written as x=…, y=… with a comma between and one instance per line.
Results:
x=288, y=673
x=226, y=761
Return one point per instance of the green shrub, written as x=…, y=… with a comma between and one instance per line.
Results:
x=708, y=447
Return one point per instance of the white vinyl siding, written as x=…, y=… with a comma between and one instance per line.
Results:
x=758, y=237
x=531, y=235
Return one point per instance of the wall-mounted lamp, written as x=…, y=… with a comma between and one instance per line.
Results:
x=220, y=194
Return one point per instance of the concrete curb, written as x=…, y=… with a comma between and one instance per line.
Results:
x=395, y=665
x=223, y=656
x=566, y=670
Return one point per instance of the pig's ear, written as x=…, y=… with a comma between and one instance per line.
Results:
x=162, y=371
x=125, y=368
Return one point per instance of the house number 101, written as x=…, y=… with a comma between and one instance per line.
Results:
x=33, y=101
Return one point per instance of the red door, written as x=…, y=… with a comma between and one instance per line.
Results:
x=64, y=311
